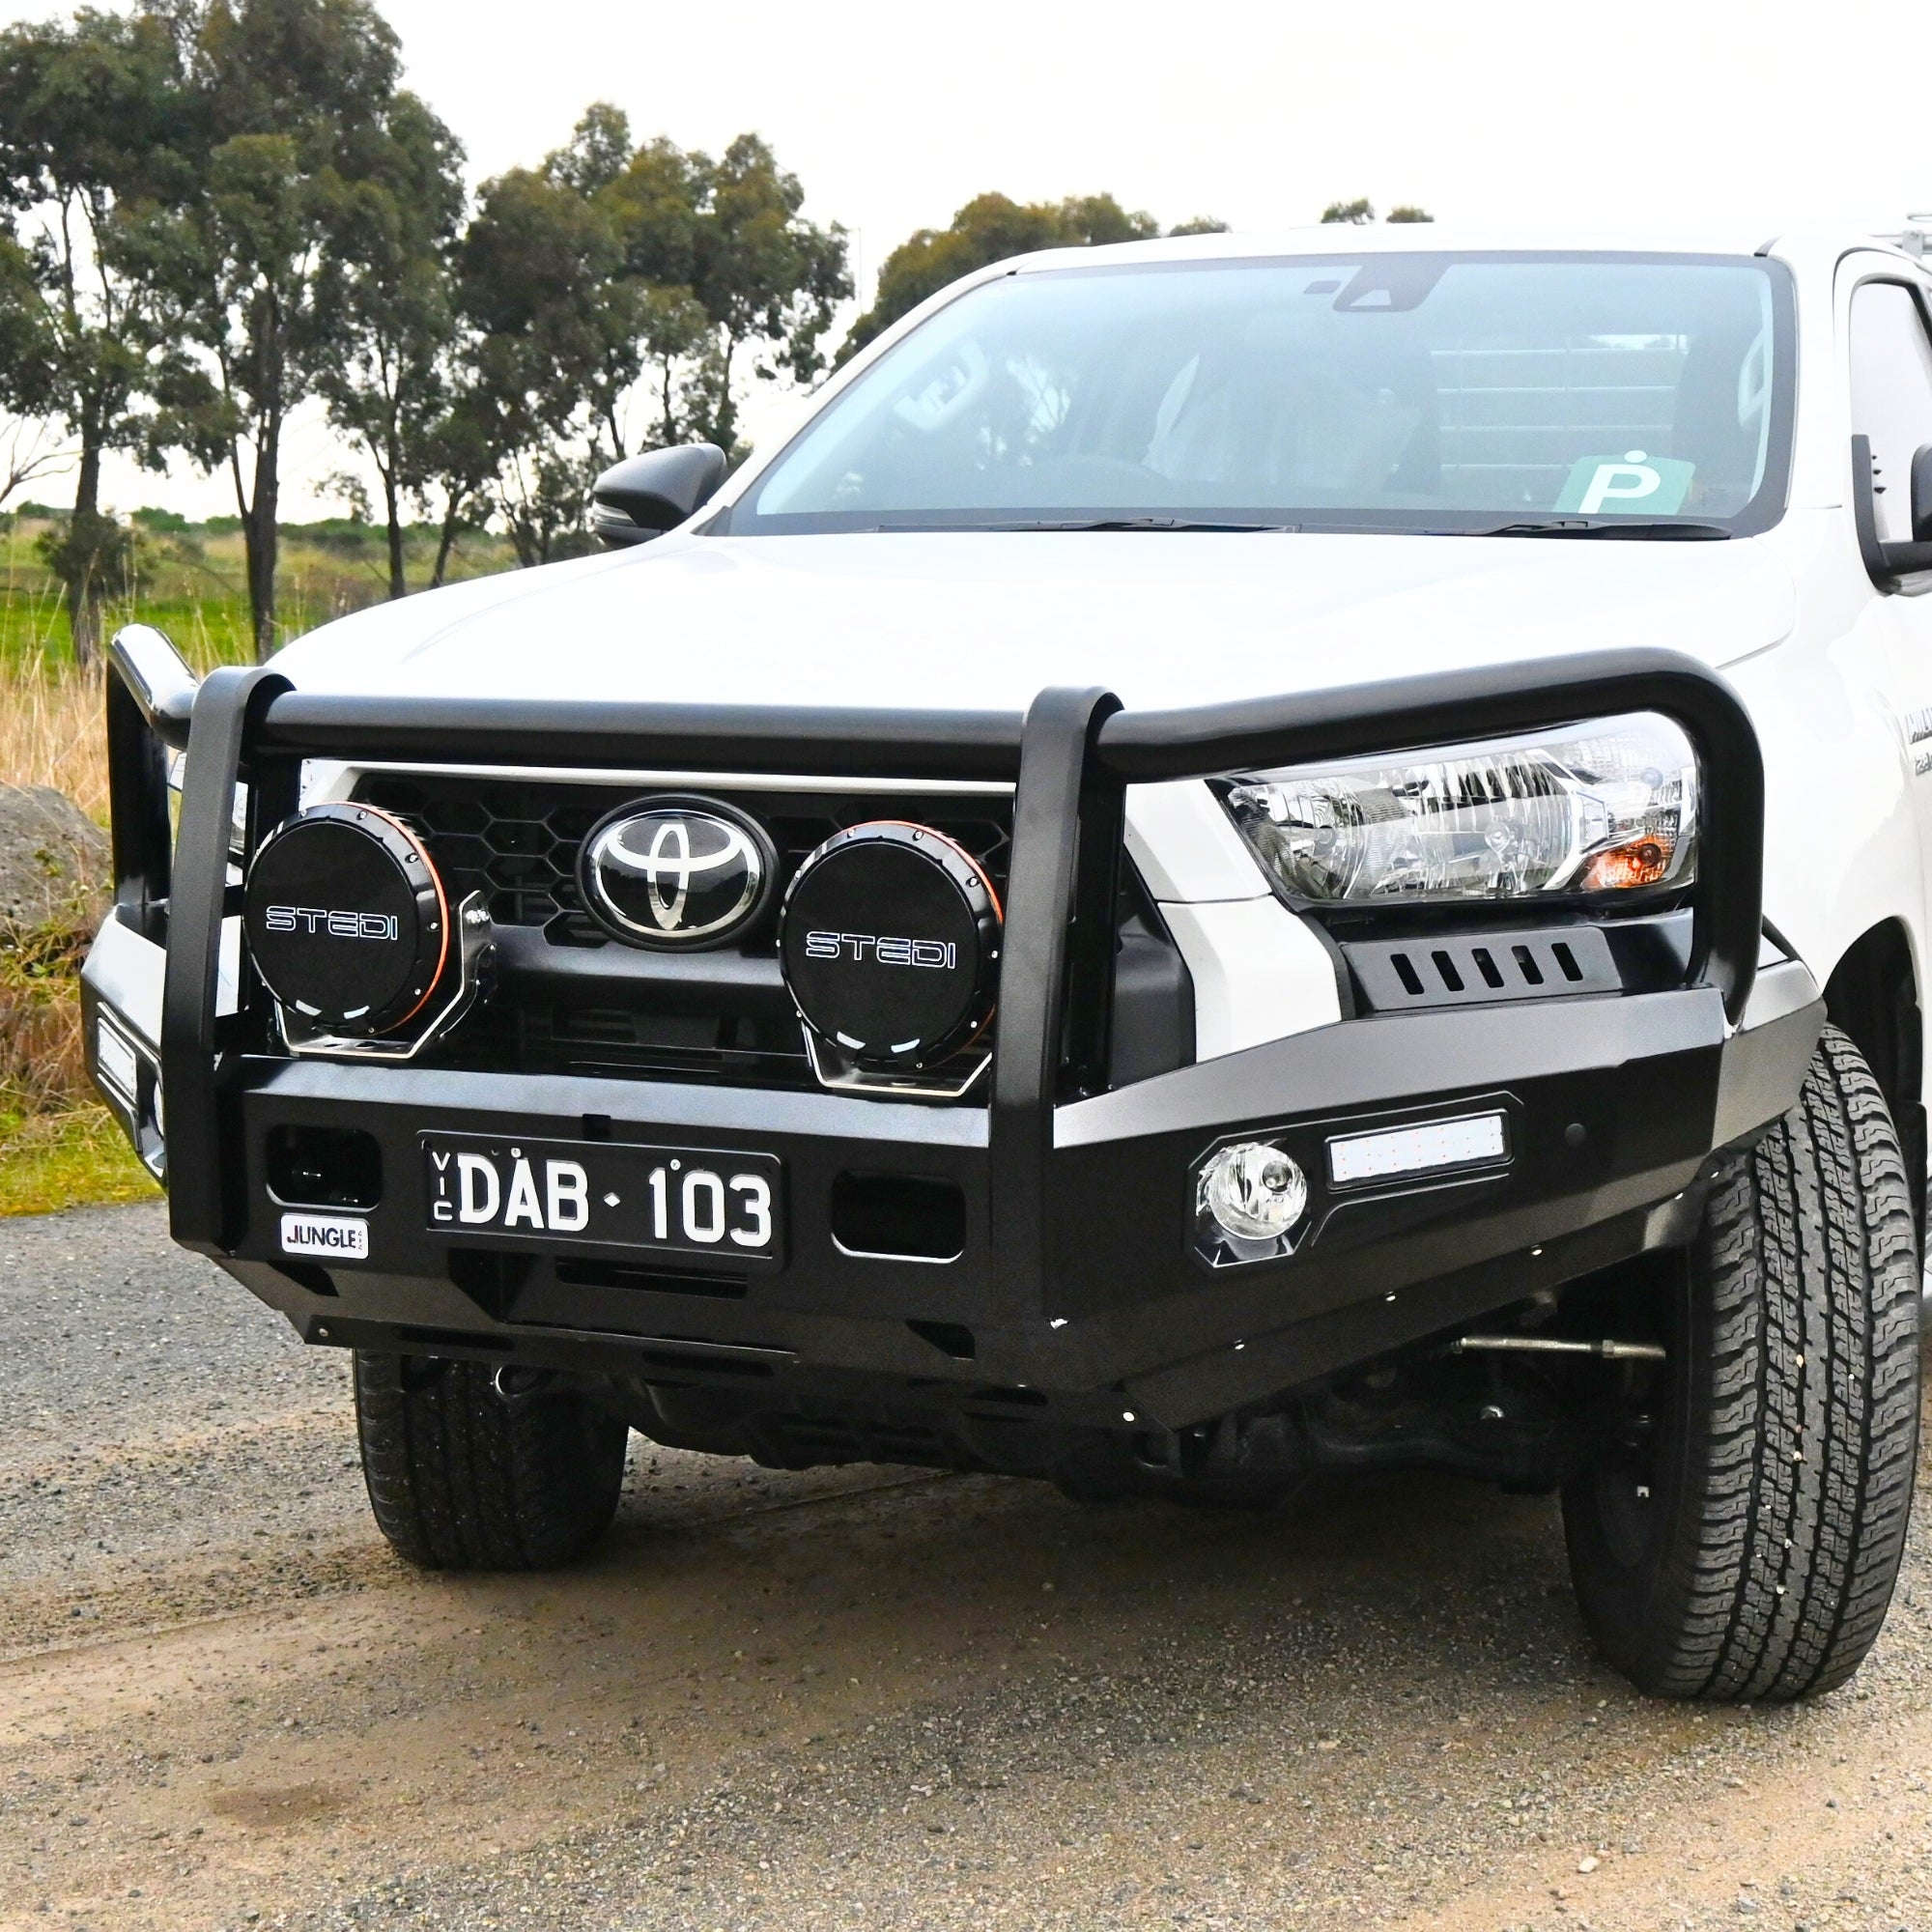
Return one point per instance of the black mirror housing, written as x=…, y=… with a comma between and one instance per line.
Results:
x=1921, y=494
x=1886, y=562
x=644, y=496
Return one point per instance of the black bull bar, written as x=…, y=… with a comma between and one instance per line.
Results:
x=1070, y=758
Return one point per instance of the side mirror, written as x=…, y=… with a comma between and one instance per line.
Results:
x=644, y=496
x=1886, y=562
x=1921, y=494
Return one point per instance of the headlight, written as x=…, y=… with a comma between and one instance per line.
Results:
x=1598, y=808
x=238, y=830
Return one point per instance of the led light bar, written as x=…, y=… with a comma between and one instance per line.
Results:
x=1466, y=1142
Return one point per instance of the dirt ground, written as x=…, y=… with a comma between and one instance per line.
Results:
x=861, y=1699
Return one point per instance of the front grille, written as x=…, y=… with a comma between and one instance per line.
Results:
x=516, y=841
x=572, y=1001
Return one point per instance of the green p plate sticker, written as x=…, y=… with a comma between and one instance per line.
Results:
x=1631, y=483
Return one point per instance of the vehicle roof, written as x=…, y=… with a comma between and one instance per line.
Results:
x=1474, y=237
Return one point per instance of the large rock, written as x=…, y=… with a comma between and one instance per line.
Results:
x=54, y=863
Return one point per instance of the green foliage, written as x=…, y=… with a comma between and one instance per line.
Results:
x=614, y=277
x=385, y=377
x=1358, y=213
x=26, y=348
x=551, y=347
x=93, y=555
x=598, y=153
x=990, y=228
x=770, y=280
x=542, y=283
x=192, y=584
x=297, y=249
x=213, y=210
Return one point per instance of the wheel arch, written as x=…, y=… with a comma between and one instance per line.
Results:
x=1873, y=996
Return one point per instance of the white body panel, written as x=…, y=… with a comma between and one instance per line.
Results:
x=1259, y=973
x=983, y=620
x=1829, y=666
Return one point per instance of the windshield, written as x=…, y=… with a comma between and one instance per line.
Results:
x=1384, y=391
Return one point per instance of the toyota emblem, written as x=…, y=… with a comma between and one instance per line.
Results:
x=676, y=872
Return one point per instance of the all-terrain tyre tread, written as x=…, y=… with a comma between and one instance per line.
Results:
x=459, y=1478
x=1803, y=1409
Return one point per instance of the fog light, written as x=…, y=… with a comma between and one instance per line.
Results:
x=1254, y=1191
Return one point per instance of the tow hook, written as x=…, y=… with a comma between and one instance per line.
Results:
x=513, y=1384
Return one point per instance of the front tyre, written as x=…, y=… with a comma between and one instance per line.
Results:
x=461, y=1477
x=1740, y=1533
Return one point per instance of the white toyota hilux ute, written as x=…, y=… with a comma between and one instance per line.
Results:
x=1236, y=858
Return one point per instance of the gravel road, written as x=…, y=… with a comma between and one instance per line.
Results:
x=861, y=1699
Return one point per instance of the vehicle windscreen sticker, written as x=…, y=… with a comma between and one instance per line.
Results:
x=1632, y=484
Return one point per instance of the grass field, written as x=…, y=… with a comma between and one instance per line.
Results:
x=190, y=584
x=58, y=1146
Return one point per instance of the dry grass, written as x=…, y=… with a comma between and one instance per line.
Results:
x=42, y=1070
x=52, y=731
x=58, y=1145
x=70, y=1159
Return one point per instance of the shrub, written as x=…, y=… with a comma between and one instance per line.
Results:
x=42, y=1067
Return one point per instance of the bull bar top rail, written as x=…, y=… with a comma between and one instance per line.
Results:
x=1073, y=753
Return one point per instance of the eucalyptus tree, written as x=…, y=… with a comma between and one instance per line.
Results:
x=305, y=126
x=653, y=201
x=991, y=228
x=96, y=135
x=553, y=345
x=463, y=451
x=614, y=286
x=770, y=280
x=1359, y=214
x=29, y=445
x=385, y=382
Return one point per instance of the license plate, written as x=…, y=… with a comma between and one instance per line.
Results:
x=684, y=1201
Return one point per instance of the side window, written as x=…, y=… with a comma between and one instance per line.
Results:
x=1891, y=394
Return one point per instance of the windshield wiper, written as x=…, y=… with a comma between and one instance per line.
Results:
x=1134, y=523
x=1606, y=526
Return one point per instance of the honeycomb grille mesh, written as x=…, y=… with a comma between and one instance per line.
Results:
x=516, y=842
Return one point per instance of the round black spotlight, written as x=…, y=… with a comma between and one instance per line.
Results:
x=346, y=920
x=889, y=937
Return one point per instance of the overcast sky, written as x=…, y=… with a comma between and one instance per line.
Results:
x=892, y=115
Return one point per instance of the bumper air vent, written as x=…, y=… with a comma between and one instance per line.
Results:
x=1472, y=969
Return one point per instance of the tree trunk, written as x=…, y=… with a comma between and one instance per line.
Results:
x=261, y=535
x=398, y=583
x=727, y=411
x=83, y=585
x=446, y=541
